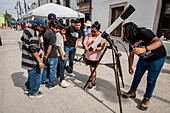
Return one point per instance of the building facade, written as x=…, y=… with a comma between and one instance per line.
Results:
x=152, y=14
x=2, y=19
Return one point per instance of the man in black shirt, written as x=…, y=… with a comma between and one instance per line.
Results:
x=151, y=52
x=50, y=55
x=72, y=39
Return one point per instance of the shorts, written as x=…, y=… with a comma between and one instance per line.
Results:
x=92, y=63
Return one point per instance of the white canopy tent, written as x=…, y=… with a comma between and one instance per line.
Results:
x=59, y=10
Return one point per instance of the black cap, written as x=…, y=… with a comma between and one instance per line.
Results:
x=72, y=21
x=77, y=21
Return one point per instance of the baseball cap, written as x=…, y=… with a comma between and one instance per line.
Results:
x=72, y=21
x=52, y=16
x=77, y=21
x=38, y=21
x=88, y=23
x=61, y=21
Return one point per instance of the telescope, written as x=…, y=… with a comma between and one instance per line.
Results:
x=115, y=55
x=125, y=14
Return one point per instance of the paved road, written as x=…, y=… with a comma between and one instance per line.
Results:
x=73, y=99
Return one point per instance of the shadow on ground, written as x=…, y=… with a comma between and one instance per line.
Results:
x=140, y=92
x=19, y=80
x=108, y=90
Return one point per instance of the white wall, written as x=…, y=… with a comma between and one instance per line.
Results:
x=73, y=4
x=143, y=16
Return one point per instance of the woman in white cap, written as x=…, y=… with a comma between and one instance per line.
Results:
x=87, y=28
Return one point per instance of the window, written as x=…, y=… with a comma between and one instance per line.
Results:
x=67, y=3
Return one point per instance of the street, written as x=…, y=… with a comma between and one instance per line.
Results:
x=103, y=99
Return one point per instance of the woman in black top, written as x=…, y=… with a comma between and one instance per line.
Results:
x=151, y=52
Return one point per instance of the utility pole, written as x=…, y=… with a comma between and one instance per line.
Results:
x=20, y=9
x=16, y=7
x=38, y=2
x=25, y=7
x=90, y=10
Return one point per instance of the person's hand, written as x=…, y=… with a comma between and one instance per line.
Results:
x=64, y=53
x=62, y=57
x=41, y=65
x=94, y=49
x=75, y=47
x=86, y=49
x=64, y=39
x=131, y=71
x=139, y=50
x=45, y=57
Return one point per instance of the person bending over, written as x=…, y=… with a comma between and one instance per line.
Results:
x=151, y=52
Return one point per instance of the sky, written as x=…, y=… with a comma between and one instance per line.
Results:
x=10, y=4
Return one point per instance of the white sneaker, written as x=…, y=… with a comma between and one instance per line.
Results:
x=64, y=84
x=72, y=74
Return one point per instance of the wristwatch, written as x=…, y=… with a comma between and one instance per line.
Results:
x=146, y=48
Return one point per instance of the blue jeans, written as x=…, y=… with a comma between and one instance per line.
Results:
x=50, y=69
x=154, y=68
x=71, y=52
x=60, y=71
x=34, y=80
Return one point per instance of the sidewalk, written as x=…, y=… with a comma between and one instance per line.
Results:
x=74, y=99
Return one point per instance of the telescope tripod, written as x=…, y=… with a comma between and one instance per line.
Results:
x=116, y=67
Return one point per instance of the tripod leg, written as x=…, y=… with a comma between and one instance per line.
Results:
x=120, y=69
x=95, y=68
x=117, y=79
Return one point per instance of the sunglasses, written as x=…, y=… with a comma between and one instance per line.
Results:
x=93, y=31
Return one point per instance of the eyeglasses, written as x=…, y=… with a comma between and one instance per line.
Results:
x=93, y=31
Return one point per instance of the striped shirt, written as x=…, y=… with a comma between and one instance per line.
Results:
x=30, y=45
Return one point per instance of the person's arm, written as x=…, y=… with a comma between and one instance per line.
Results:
x=64, y=38
x=43, y=50
x=77, y=42
x=48, y=51
x=39, y=38
x=52, y=42
x=85, y=43
x=149, y=36
x=61, y=53
x=131, y=58
x=33, y=48
x=39, y=60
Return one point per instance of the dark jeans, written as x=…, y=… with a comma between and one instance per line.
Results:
x=50, y=66
x=60, y=69
x=34, y=80
x=154, y=68
x=71, y=52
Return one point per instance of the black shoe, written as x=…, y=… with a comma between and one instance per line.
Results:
x=52, y=87
x=37, y=95
x=91, y=86
x=130, y=94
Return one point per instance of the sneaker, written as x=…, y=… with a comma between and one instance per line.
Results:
x=91, y=86
x=52, y=87
x=26, y=91
x=72, y=74
x=37, y=95
x=130, y=94
x=145, y=104
x=64, y=84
